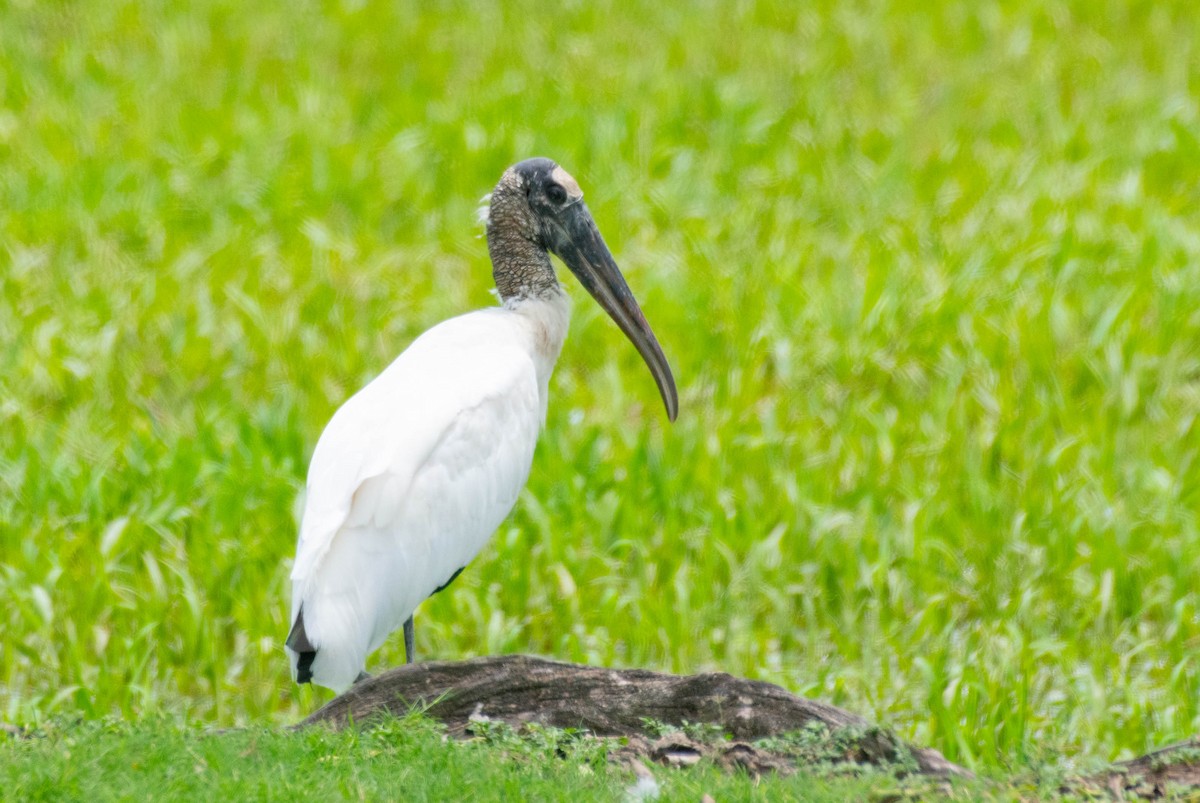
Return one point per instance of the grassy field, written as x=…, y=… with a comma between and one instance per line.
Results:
x=928, y=275
x=408, y=759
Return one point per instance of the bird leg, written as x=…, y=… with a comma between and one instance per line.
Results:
x=361, y=677
x=408, y=640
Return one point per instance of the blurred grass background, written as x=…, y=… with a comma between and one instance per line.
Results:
x=928, y=274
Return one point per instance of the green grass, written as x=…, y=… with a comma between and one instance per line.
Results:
x=928, y=275
x=408, y=759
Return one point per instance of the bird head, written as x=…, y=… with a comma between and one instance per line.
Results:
x=538, y=203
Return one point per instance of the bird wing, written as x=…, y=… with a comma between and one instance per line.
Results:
x=411, y=477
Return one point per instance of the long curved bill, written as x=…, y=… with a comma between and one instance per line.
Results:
x=578, y=243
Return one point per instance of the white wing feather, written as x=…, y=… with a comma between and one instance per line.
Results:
x=409, y=480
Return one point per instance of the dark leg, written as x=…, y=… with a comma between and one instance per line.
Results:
x=408, y=640
x=361, y=677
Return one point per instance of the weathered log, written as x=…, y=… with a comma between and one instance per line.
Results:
x=1163, y=773
x=519, y=689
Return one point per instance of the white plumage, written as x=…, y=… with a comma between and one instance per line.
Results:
x=414, y=473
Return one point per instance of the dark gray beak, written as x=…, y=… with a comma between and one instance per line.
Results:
x=577, y=241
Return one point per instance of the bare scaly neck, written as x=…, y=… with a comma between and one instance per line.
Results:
x=520, y=266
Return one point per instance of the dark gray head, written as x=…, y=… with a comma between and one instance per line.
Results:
x=537, y=207
x=530, y=197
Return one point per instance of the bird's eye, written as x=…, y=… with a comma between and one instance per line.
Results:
x=556, y=194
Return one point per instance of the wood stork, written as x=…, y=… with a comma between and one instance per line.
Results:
x=414, y=473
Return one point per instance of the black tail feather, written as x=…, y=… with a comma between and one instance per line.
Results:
x=453, y=577
x=304, y=667
x=298, y=641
